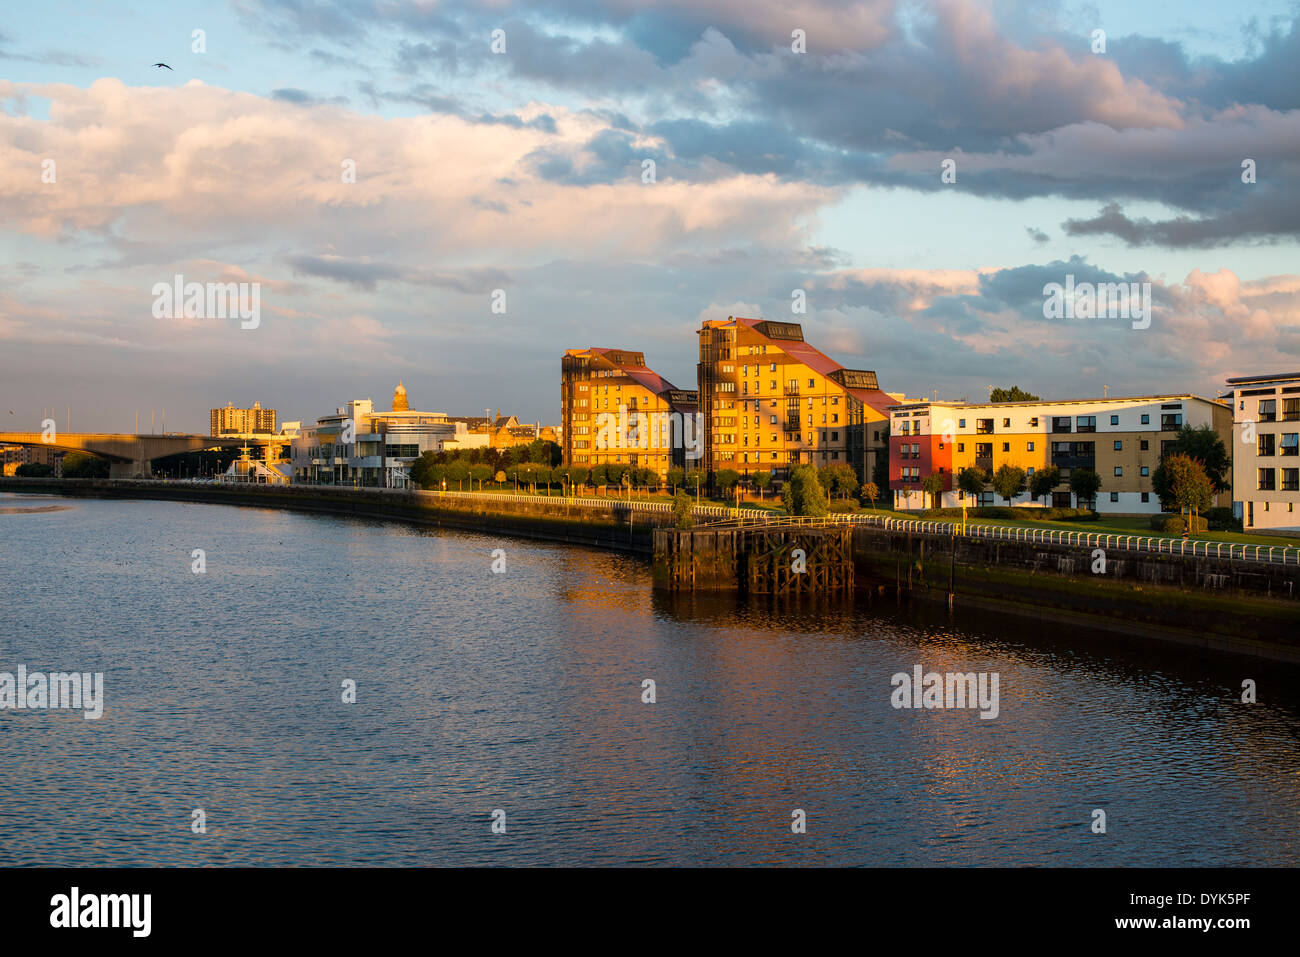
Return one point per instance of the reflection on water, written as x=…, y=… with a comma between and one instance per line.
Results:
x=522, y=691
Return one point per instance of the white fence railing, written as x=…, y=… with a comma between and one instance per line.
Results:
x=1276, y=554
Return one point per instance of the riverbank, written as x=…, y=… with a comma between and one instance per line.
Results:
x=1226, y=603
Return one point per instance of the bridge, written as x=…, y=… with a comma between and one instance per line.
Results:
x=129, y=455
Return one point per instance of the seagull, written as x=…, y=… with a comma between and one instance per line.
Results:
x=164, y=64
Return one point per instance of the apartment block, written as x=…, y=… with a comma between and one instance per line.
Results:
x=232, y=421
x=1121, y=439
x=616, y=410
x=1266, y=450
x=771, y=400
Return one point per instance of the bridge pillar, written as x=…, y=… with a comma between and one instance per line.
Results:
x=140, y=468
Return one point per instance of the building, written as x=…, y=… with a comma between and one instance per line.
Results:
x=1266, y=450
x=232, y=421
x=502, y=432
x=1121, y=439
x=12, y=456
x=616, y=410
x=770, y=400
x=358, y=446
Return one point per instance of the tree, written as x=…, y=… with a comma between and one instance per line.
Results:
x=1014, y=394
x=599, y=475
x=676, y=477
x=577, y=474
x=649, y=478
x=971, y=481
x=1203, y=445
x=34, y=470
x=871, y=492
x=457, y=472
x=932, y=485
x=682, y=510
x=1009, y=481
x=1044, y=481
x=1085, y=484
x=480, y=474
x=614, y=474
x=422, y=468
x=726, y=480
x=839, y=479
x=543, y=452
x=84, y=465
x=1186, y=483
x=802, y=493
x=762, y=480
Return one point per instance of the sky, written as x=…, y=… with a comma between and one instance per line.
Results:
x=516, y=177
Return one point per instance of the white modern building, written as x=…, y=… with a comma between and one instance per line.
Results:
x=358, y=446
x=1266, y=450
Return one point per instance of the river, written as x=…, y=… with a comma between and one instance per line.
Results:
x=522, y=692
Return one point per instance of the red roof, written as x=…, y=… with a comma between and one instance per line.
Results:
x=645, y=376
x=820, y=362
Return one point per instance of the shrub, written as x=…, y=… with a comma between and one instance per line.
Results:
x=842, y=505
x=682, y=510
x=1174, y=524
x=1221, y=519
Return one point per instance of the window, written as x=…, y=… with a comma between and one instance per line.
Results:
x=984, y=426
x=1114, y=496
x=835, y=437
x=1267, y=410
x=1146, y=419
x=1290, y=410
x=1144, y=445
x=1061, y=423
x=961, y=446
x=1146, y=497
x=1087, y=423
x=1006, y=423
x=1119, y=470
x=1029, y=446
x=1291, y=443
x=1114, y=420
x=1171, y=422
x=1264, y=444
x=1006, y=446
x=1033, y=423
x=961, y=423
x=771, y=420
x=1119, y=445
x=1291, y=480
x=811, y=384
x=1145, y=470
x=1267, y=480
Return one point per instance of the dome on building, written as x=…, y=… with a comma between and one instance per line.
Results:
x=399, y=399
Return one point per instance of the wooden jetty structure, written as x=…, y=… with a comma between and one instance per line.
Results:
x=776, y=558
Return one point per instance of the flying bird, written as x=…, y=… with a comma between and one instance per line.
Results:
x=164, y=64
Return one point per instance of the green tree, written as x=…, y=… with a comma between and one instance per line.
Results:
x=599, y=475
x=34, y=470
x=458, y=472
x=1202, y=444
x=1044, y=481
x=1014, y=394
x=543, y=452
x=676, y=477
x=839, y=480
x=614, y=474
x=932, y=485
x=421, y=467
x=578, y=475
x=802, y=493
x=84, y=465
x=480, y=473
x=726, y=480
x=1186, y=484
x=763, y=480
x=683, y=515
x=648, y=478
x=971, y=481
x=1085, y=484
x=1009, y=481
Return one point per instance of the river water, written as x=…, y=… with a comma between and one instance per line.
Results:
x=522, y=691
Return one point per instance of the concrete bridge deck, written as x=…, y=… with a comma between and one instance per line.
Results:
x=131, y=455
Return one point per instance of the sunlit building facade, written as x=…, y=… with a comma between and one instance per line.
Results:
x=1266, y=450
x=1121, y=439
x=771, y=400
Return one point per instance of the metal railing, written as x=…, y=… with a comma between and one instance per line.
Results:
x=1275, y=554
